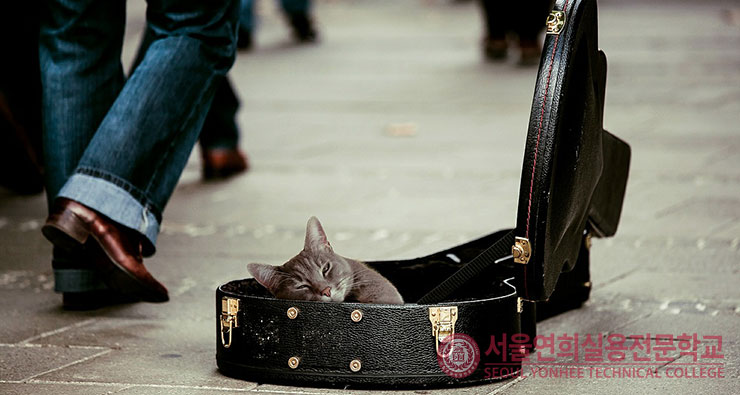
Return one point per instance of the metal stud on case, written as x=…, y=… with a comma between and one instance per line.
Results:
x=356, y=316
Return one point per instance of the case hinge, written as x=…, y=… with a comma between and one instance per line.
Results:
x=229, y=310
x=521, y=250
x=443, y=321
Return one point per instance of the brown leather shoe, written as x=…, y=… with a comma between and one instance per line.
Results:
x=495, y=49
x=223, y=162
x=119, y=257
x=530, y=53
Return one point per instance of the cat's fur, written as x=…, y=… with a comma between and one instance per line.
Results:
x=319, y=274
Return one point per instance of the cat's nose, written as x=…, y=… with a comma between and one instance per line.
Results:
x=326, y=291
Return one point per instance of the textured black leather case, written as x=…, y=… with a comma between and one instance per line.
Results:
x=393, y=343
x=572, y=187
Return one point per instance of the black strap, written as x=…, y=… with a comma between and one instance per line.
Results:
x=469, y=271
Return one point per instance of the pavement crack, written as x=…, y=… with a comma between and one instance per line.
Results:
x=509, y=384
x=37, y=345
x=285, y=392
x=668, y=363
x=130, y=385
x=66, y=365
x=617, y=278
x=57, y=331
x=630, y=322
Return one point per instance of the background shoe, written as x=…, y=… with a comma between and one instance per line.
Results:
x=223, y=162
x=495, y=48
x=116, y=252
x=531, y=52
x=303, y=30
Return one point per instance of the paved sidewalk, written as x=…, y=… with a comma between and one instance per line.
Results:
x=321, y=128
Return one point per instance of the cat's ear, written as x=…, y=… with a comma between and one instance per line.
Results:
x=266, y=275
x=315, y=236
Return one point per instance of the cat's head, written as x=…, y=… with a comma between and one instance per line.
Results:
x=316, y=273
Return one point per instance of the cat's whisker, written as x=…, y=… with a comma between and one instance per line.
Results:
x=356, y=283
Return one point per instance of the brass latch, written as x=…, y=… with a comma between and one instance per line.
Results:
x=587, y=240
x=229, y=309
x=521, y=250
x=555, y=22
x=443, y=323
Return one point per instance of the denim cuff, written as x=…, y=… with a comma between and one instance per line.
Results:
x=115, y=203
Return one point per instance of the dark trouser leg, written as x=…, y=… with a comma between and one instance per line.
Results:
x=81, y=76
x=529, y=17
x=496, y=18
x=220, y=129
x=297, y=12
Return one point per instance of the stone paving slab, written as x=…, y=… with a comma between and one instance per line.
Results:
x=24, y=362
x=182, y=390
x=37, y=308
x=59, y=388
x=622, y=386
x=142, y=366
x=479, y=389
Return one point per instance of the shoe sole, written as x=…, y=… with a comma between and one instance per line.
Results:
x=121, y=280
x=94, y=300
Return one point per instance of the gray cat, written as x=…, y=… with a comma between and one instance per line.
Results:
x=317, y=273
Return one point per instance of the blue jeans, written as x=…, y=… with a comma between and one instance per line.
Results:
x=220, y=129
x=247, y=21
x=119, y=146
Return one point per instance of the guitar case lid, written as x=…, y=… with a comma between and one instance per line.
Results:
x=574, y=172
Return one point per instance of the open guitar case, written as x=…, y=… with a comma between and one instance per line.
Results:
x=497, y=287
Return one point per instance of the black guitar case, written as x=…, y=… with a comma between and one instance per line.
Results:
x=471, y=310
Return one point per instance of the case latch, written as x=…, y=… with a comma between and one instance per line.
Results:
x=229, y=309
x=443, y=321
x=521, y=250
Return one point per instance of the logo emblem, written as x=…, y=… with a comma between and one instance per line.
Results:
x=459, y=356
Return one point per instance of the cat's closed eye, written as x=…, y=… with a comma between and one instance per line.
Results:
x=302, y=286
x=326, y=269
